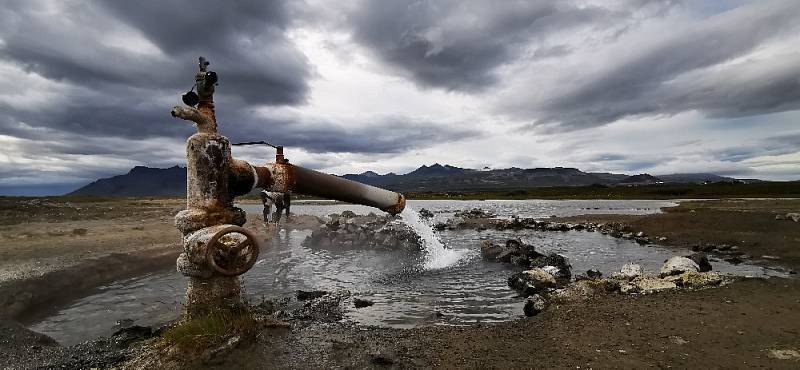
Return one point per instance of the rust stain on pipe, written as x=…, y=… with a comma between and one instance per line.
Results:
x=285, y=177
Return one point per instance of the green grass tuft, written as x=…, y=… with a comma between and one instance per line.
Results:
x=202, y=332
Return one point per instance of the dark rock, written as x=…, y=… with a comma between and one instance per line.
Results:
x=520, y=261
x=382, y=360
x=491, y=251
x=594, y=274
x=703, y=248
x=722, y=247
x=361, y=303
x=474, y=213
x=333, y=224
x=303, y=295
x=325, y=309
x=531, y=281
x=133, y=333
x=534, y=305
x=701, y=259
x=425, y=214
x=561, y=263
x=733, y=260
x=677, y=265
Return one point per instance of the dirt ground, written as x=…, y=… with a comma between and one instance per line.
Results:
x=749, y=323
x=55, y=249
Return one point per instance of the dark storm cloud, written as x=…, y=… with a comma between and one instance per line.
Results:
x=771, y=146
x=245, y=41
x=388, y=134
x=686, y=71
x=98, y=125
x=627, y=162
x=116, y=92
x=459, y=44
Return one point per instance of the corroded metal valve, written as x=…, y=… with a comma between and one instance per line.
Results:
x=232, y=250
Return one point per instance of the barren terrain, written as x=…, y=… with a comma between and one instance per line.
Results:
x=52, y=250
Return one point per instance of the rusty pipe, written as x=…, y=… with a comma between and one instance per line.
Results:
x=283, y=177
x=332, y=187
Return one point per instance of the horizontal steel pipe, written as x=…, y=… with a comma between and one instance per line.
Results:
x=287, y=177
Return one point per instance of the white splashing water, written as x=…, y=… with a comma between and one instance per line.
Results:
x=437, y=255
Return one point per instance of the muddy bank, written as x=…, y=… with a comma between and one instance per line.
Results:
x=29, y=299
x=728, y=327
x=733, y=326
x=53, y=250
x=21, y=348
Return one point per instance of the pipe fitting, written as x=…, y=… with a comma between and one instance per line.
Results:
x=227, y=250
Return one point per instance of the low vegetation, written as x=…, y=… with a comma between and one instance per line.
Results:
x=789, y=189
x=201, y=333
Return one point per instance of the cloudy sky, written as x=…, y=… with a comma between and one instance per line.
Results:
x=624, y=86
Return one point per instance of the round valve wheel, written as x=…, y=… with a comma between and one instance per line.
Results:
x=232, y=251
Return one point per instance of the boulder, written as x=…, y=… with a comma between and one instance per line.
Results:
x=425, y=214
x=533, y=305
x=594, y=274
x=474, y=213
x=678, y=265
x=559, y=262
x=361, y=303
x=132, y=333
x=584, y=289
x=647, y=284
x=701, y=259
x=696, y=280
x=628, y=271
x=303, y=295
x=521, y=261
x=552, y=270
x=531, y=281
x=627, y=288
x=491, y=251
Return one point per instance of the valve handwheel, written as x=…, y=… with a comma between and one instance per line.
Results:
x=232, y=251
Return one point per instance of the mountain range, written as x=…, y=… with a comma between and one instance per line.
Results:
x=145, y=181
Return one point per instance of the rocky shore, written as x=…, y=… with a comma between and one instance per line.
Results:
x=477, y=219
x=348, y=230
x=547, y=276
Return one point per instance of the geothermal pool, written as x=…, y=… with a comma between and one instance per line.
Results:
x=453, y=288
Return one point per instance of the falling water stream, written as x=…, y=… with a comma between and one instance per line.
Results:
x=437, y=255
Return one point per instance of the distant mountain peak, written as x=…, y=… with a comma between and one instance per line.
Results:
x=642, y=178
x=139, y=181
x=369, y=174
